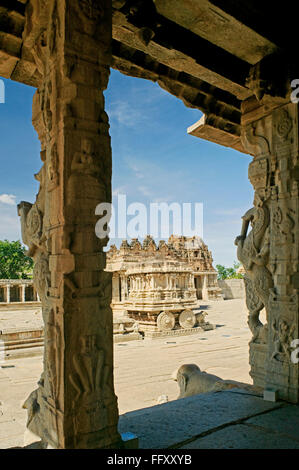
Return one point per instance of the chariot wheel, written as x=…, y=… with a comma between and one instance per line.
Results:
x=187, y=319
x=165, y=321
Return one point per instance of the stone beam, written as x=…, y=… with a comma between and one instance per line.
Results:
x=195, y=93
x=216, y=25
x=214, y=130
x=74, y=405
x=264, y=21
x=178, y=48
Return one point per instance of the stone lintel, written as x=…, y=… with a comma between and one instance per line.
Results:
x=209, y=131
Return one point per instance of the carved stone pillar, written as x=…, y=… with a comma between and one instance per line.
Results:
x=269, y=251
x=75, y=405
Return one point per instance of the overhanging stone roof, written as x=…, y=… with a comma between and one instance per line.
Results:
x=202, y=51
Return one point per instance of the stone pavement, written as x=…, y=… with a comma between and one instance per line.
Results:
x=20, y=318
x=232, y=419
x=142, y=368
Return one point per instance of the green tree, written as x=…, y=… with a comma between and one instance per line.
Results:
x=229, y=273
x=14, y=264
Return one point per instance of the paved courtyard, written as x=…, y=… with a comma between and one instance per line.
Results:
x=142, y=368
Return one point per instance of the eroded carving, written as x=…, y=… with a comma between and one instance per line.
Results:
x=53, y=173
x=193, y=381
x=253, y=252
x=90, y=382
x=283, y=336
x=284, y=125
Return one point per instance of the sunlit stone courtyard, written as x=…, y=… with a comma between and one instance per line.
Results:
x=143, y=368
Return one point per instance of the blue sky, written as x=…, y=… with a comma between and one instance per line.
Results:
x=154, y=160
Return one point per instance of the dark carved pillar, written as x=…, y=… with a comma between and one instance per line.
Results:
x=75, y=405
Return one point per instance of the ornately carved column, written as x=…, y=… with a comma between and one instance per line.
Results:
x=269, y=251
x=75, y=405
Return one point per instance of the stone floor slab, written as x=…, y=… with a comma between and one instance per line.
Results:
x=285, y=421
x=242, y=437
x=172, y=423
x=143, y=369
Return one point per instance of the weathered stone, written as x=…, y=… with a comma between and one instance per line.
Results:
x=192, y=381
x=158, y=286
x=285, y=421
x=268, y=252
x=64, y=48
x=243, y=437
x=175, y=422
x=74, y=405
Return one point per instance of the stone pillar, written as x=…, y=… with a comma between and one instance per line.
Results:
x=123, y=282
x=115, y=288
x=75, y=405
x=205, y=294
x=126, y=287
x=22, y=296
x=7, y=293
x=269, y=251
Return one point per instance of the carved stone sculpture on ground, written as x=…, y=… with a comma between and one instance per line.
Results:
x=192, y=381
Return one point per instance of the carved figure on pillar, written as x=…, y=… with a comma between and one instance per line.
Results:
x=70, y=44
x=253, y=253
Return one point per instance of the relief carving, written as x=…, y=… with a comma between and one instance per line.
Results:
x=41, y=275
x=254, y=143
x=54, y=348
x=283, y=336
x=284, y=125
x=53, y=174
x=283, y=227
x=253, y=253
x=89, y=380
x=258, y=173
x=86, y=170
x=68, y=41
x=31, y=226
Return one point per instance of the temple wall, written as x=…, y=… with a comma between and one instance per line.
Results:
x=232, y=288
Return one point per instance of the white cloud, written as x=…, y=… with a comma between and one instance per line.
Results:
x=125, y=114
x=119, y=190
x=145, y=191
x=158, y=200
x=10, y=226
x=9, y=199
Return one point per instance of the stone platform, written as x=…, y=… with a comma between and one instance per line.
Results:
x=177, y=332
x=142, y=369
x=21, y=342
x=22, y=330
x=232, y=419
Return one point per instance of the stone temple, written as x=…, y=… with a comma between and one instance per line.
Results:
x=188, y=251
x=158, y=286
x=228, y=59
